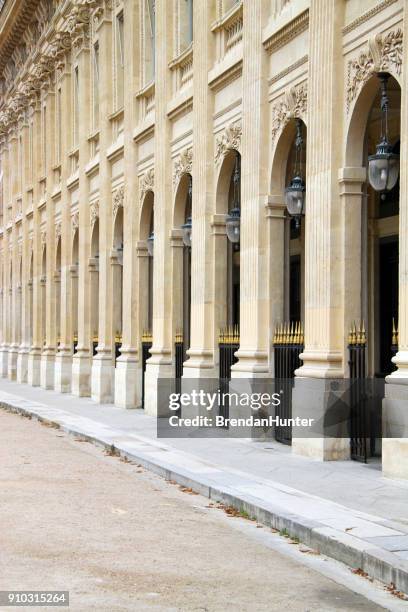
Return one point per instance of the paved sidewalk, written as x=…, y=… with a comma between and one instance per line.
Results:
x=344, y=509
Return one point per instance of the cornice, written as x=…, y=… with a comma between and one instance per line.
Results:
x=367, y=15
x=290, y=31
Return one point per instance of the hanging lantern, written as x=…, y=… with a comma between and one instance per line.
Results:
x=233, y=218
x=383, y=167
x=150, y=244
x=295, y=192
x=188, y=226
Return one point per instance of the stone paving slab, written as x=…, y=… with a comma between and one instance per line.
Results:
x=361, y=539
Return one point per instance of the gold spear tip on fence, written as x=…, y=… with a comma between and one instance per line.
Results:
x=395, y=334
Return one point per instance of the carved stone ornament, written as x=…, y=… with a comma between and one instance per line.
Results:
x=230, y=139
x=146, y=183
x=293, y=105
x=118, y=197
x=384, y=53
x=94, y=212
x=57, y=231
x=74, y=222
x=182, y=165
x=43, y=237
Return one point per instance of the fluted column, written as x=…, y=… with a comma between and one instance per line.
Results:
x=50, y=336
x=254, y=333
x=322, y=357
x=82, y=359
x=13, y=322
x=395, y=405
x=160, y=363
x=63, y=359
x=34, y=357
x=127, y=371
x=4, y=341
x=22, y=358
x=102, y=377
x=201, y=361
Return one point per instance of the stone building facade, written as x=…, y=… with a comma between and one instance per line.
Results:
x=120, y=119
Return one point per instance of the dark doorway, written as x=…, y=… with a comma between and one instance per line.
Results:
x=388, y=300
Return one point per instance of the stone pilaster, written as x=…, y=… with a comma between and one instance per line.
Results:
x=63, y=359
x=49, y=349
x=4, y=339
x=22, y=358
x=82, y=359
x=14, y=342
x=160, y=364
x=127, y=371
x=395, y=404
x=200, y=363
x=254, y=332
x=34, y=357
x=322, y=357
x=102, y=377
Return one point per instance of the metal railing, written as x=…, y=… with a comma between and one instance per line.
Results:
x=118, y=346
x=147, y=343
x=228, y=344
x=288, y=344
x=365, y=405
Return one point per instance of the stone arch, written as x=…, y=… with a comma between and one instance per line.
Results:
x=180, y=199
x=224, y=180
x=146, y=215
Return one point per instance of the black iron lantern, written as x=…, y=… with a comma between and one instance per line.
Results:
x=383, y=167
x=150, y=244
x=233, y=218
x=295, y=192
x=188, y=226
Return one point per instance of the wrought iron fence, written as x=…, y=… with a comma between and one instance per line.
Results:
x=75, y=344
x=179, y=358
x=288, y=344
x=365, y=405
x=118, y=346
x=147, y=343
x=228, y=343
x=94, y=345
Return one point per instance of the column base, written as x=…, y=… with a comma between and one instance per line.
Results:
x=12, y=362
x=22, y=365
x=47, y=372
x=34, y=368
x=154, y=372
x=63, y=373
x=320, y=399
x=102, y=379
x=81, y=375
x=127, y=383
x=395, y=428
x=3, y=361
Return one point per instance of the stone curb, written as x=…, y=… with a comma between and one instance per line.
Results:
x=375, y=561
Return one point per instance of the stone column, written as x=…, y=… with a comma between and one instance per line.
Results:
x=200, y=363
x=49, y=350
x=102, y=377
x=63, y=359
x=82, y=360
x=395, y=404
x=13, y=321
x=4, y=340
x=34, y=357
x=127, y=377
x=322, y=357
x=22, y=358
x=160, y=364
x=254, y=332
